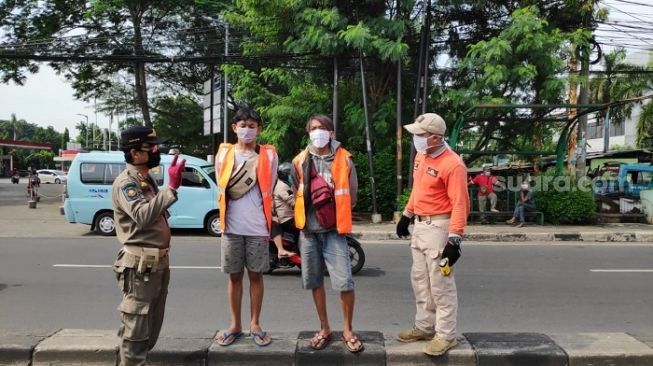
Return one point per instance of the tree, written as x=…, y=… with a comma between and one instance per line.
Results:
x=65, y=138
x=132, y=30
x=519, y=66
x=179, y=121
x=645, y=127
x=618, y=83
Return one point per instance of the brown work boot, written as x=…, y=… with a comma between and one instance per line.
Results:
x=413, y=335
x=438, y=346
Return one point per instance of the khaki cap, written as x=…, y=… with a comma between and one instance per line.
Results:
x=428, y=122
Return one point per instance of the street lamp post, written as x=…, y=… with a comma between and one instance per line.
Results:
x=86, y=127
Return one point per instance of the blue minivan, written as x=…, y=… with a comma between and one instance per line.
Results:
x=87, y=198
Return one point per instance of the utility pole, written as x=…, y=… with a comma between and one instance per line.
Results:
x=95, y=127
x=584, y=97
x=422, y=77
x=109, y=132
x=335, y=95
x=226, y=85
x=376, y=217
x=400, y=153
x=572, y=112
x=606, y=119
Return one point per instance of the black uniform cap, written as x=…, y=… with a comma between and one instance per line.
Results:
x=135, y=136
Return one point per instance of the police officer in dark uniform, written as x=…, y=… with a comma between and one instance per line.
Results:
x=140, y=214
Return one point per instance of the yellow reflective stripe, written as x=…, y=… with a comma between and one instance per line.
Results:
x=341, y=192
x=301, y=187
x=221, y=155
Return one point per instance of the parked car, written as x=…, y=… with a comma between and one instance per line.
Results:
x=52, y=176
x=88, y=192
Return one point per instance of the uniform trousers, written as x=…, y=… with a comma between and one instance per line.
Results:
x=436, y=296
x=142, y=307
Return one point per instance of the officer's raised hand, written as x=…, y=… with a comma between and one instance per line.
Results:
x=452, y=249
x=174, y=172
x=402, y=226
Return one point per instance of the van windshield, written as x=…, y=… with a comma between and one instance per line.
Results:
x=210, y=171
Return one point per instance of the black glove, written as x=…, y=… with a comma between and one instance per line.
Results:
x=452, y=249
x=402, y=226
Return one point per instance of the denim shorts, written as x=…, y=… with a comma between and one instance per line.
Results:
x=331, y=248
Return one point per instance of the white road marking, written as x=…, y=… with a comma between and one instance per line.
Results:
x=622, y=270
x=108, y=266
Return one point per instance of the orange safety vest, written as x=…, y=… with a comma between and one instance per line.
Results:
x=226, y=158
x=340, y=170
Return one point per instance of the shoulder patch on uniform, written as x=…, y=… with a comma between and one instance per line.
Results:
x=130, y=190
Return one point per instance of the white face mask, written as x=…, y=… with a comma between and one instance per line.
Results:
x=422, y=144
x=246, y=134
x=319, y=138
x=487, y=173
x=525, y=187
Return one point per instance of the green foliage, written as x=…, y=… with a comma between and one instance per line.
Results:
x=384, y=171
x=179, y=121
x=24, y=131
x=402, y=200
x=523, y=64
x=645, y=127
x=566, y=203
x=40, y=159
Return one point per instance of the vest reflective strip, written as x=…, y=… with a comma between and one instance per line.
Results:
x=341, y=191
x=222, y=154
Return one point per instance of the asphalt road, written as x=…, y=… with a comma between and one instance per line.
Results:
x=539, y=287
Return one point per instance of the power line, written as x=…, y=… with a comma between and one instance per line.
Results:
x=634, y=3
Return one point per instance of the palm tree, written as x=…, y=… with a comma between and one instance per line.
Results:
x=620, y=81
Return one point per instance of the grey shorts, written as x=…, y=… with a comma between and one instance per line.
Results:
x=238, y=251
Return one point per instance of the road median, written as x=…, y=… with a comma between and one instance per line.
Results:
x=100, y=347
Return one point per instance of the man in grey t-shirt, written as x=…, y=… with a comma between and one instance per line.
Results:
x=246, y=174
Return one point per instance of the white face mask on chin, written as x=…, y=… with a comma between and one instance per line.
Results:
x=319, y=138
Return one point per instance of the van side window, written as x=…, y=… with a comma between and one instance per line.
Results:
x=100, y=173
x=191, y=177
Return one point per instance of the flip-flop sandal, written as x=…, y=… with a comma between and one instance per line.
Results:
x=353, y=339
x=260, y=338
x=228, y=338
x=320, y=341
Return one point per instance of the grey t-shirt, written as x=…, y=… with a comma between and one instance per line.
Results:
x=245, y=216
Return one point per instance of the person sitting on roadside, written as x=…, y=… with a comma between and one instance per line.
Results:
x=525, y=203
x=485, y=182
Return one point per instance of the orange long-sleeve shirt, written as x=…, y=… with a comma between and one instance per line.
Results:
x=440, y=187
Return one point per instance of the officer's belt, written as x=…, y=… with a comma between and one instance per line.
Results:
x=137, y=251
x=433, y=217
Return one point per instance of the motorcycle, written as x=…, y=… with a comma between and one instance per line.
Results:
x=291, y=243
x=15, y=179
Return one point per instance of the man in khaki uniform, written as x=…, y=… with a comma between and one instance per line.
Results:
x=140, y=213
x=439, y=204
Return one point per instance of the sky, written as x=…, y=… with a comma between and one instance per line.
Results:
x=47, y=100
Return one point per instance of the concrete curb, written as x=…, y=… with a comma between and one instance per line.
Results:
x=588, y=236
x=99, y=347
